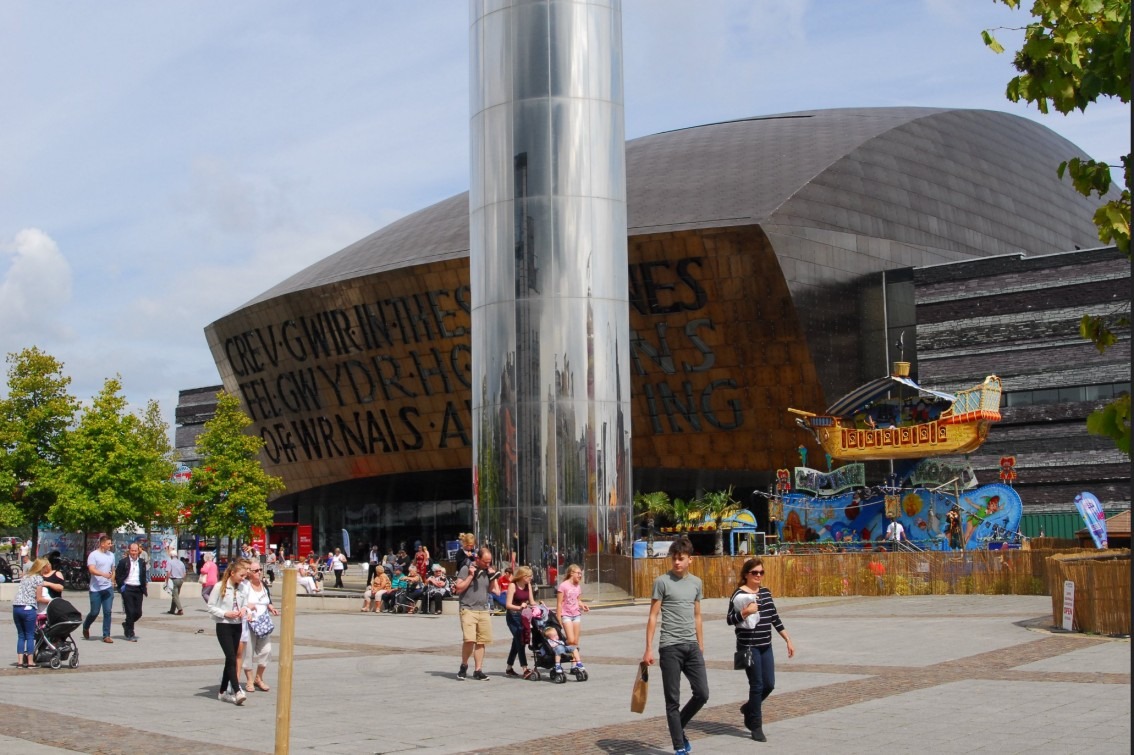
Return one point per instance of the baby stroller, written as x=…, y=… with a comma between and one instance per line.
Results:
x=53, y=643
x=543, y=653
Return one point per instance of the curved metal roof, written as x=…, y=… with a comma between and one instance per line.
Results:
x=962, y=182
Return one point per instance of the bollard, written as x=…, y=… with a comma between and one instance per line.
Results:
x=287, y=654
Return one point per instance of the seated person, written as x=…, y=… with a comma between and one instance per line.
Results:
x=499, y=601
x=559, y=647
x=377, y=588
x=415, y=587
x=436, y=588
x=306, y=580
x=398, y=583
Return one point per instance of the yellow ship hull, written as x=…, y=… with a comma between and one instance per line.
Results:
x=913, y=442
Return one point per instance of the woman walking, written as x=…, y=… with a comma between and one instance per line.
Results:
x=338, y=564
x=521, y=595
x=227, y=604
x=257, y=650
x=25, y=609
x=756, y=617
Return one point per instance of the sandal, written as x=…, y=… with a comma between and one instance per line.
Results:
x=527, y=673
x=259, y=684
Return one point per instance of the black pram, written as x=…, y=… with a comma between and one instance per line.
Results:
x=543, y=653
x=53, y=643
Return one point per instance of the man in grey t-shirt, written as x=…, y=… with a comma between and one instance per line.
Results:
x=100, y=563
x=681, y=647
x=475, y=582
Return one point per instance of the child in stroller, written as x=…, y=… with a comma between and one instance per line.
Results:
x=549, y=649
x=53, y=642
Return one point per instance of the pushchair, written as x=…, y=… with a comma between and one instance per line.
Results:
x=53, y=643
x=543, y=653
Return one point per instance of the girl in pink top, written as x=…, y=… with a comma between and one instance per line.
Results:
x=568, y=607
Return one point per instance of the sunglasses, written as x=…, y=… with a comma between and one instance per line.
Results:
x=757, y=572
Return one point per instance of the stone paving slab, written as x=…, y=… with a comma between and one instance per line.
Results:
x=871, y=674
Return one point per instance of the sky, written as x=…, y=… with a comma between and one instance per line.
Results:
x=162, y=163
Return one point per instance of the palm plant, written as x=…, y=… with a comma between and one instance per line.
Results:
x=650, y=506
x=718, y=505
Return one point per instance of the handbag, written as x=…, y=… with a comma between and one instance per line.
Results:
x=741, y=659
x=641, y=689
x=262, y=625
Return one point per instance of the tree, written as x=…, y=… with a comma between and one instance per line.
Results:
x=718, y=505
x=116, y=471
x=34, y=420
x=650, y=506
x=230, y=489
x=1074, y=53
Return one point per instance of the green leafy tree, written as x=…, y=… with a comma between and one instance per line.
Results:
x=116, y=471
x=718, y=505
x=34, y=420
x=230, y=489
x=651, y=506
x=1074, y=53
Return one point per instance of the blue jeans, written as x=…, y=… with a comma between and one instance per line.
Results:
x=676, y=660
x=100, y=600
x=24, y=616
x=761, y=673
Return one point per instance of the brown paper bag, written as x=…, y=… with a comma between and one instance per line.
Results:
x=641, y=689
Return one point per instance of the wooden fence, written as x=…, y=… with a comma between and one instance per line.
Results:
x=1102, y=590
x=1006, y=572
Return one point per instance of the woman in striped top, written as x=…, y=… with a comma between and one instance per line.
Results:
x=758, y=615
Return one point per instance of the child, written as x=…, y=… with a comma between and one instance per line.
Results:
x=677, y=598
x=559, y=647
x=569, y=608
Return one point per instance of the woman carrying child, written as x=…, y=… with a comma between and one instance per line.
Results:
x=569, y=608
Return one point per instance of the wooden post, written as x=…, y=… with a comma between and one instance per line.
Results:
x=287, y=654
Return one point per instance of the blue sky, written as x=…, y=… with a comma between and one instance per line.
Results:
x=161, y=163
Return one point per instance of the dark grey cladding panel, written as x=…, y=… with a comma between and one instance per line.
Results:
x=942, y=184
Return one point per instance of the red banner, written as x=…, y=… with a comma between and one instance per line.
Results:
x=259, y=539
x=305, y=543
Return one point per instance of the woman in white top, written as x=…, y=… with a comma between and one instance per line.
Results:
x=304, y=578
x=256, y=650
x=228, y=609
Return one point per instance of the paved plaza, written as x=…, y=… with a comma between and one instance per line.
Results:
x=948, y=674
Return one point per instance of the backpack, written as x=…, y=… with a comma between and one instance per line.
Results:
x=733, y=616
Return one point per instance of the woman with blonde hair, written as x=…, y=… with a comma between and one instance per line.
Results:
x=25, y=609
x=467, y=552
x=228, y=607
x=521, y=595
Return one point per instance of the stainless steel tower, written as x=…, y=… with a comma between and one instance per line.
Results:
x=550, y=319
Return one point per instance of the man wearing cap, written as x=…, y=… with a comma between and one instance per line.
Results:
x=100, y=563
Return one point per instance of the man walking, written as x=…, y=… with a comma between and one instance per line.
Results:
x=131, y=576
x=176, y=577
x=100, y=563
x=681, y=646
x=475, y=582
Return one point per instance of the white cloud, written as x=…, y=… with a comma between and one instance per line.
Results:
x=34, y=287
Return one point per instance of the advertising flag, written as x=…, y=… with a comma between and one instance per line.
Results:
x=1092, y=513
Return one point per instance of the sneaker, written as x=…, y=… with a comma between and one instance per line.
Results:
x=132, y=638
x=463, y=673
x=558, y=668
x=510, y=672
x=480, y=676
x=226, y=697
x=240, y=697
x=579, y=667
x=688, y=747
x=680, y=751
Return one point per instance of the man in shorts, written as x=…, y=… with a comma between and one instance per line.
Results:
x=476, y=581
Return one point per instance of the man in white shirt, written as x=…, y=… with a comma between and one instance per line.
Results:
x=131, y=578
x=100, y=563
x=895, y=532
